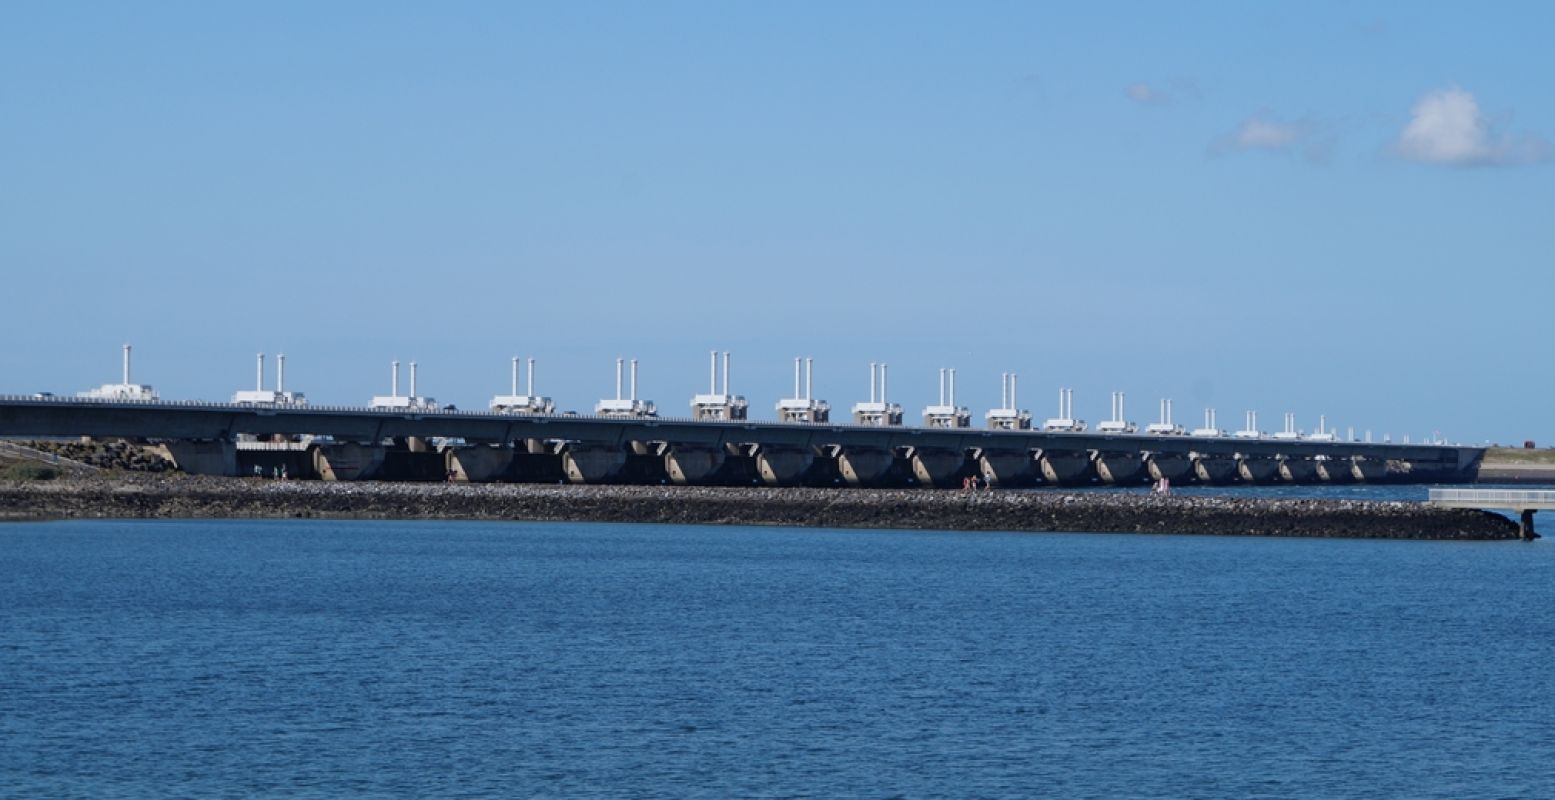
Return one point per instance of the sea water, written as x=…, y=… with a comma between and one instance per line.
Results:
x=317, y=658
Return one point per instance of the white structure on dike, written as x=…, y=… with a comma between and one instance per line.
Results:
x=1065, y=420
x=1210, y=429
x=878, y=411
x=398, y=402
x=628, y=406
x=1165, y=426
x=260, y=396
x=1008, y=416
x=1117, y=422
x=718, y=406
x=1290, y=433
x=803, y=407
x=947, y=414
x=122, y=391
x=526, y=403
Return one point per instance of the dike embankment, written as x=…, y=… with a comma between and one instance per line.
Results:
x=183, y=497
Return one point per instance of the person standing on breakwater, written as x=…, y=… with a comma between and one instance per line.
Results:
x=1163, y=487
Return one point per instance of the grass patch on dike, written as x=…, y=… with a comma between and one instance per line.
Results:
x=25, y=471
x=1518, y=455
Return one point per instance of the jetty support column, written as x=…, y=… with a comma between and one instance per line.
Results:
x=1525, y=525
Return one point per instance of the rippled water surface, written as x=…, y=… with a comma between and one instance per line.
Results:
x=444, y=659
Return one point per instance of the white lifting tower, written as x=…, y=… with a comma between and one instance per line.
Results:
x=260, y=396
x=136, y=392
x=718, y=406
x=398, y=402
x=526, y=403
x=803, y=407
x=1065, y=421
x=628, y=406
x=878, y=411
x=947, y=414
x=1117, y=422
x=1008, y=416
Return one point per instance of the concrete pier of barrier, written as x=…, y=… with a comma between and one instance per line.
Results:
x=1172, y=467
x=783, y=466
x=1214, y=469
x=1257, y=470
x=691, y=463
x=584, y=463
x=481, y=463
x=348, y=461
x=1368, y=470
x=1334, y=470
x=936, y=466
x=1065, y=467
x=861, y=465
x=1120, y=468
x=1007, y=468
x=1298, y=470
x=201, y=457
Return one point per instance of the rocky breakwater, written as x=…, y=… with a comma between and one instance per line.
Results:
x=107, y=454
x=187, y=497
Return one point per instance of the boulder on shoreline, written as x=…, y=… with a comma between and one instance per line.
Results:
x=919, y=509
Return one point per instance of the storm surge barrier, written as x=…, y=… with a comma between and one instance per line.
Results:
x=446, y=444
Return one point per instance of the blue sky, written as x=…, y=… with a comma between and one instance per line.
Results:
x=1341, y=209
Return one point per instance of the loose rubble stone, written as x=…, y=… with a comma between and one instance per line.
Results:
x=180, y=496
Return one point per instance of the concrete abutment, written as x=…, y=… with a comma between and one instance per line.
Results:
x=348, y=461
x=201, y=458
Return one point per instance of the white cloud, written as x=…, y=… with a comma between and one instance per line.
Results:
x=1142, y=93
x=1446, y=127
x=1264, y=132
x=1162, y=94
